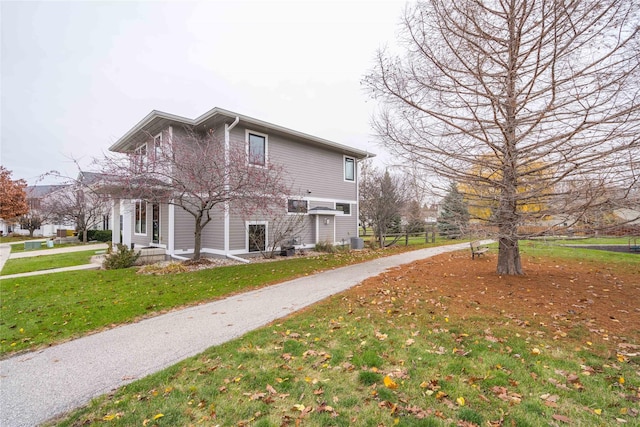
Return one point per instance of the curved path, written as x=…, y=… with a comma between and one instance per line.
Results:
x=37, y=386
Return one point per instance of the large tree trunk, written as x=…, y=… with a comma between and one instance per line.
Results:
x=509, y=257
x=508, y=250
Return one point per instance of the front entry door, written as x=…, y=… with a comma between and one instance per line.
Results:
x=155, y=223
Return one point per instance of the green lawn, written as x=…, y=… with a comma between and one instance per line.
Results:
x=46, y=262
x=42, y=310
x=19, y=247
x=389, y=357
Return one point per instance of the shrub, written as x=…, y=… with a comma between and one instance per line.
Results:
x=330, y=248
x=98, y=235
x=325, y=247
x=122, y=258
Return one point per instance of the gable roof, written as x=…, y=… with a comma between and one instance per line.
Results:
x=155, y=121
x=40, y=191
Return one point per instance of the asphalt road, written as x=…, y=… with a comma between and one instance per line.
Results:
x=38, y=386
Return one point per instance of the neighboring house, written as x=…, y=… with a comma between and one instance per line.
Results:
x=325, y=173
x=36, y=199
x=68, y=198
x=88, y=182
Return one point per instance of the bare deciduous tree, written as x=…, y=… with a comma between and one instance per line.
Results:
x=538, y=93
x=282, y=228
x=197, y=172
x=381, y=200
x=77, y=202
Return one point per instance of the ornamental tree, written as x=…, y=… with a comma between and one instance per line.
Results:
x=199, y=173
x=13, y=199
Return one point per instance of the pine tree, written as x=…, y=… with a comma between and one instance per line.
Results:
x=454, y=215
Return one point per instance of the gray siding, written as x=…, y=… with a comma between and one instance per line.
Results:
x=346, y=228
x=312, y=169
x=237, y=233
x=183, y=229
x=308, y=167
x=213, y=233
x=326, y=231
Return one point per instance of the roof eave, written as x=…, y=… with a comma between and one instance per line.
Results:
x=122, y=144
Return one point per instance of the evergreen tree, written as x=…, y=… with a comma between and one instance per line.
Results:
x=454, y=215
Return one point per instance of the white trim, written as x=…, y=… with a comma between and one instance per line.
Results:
x=247, y=132
x=172, y=229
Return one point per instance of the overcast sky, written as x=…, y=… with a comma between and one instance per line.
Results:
x=77, y=75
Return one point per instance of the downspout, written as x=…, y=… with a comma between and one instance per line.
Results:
x=227, y=147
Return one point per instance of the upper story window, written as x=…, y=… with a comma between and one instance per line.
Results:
x=297, y=206
x=257, y=148
x=157, y=147
x=349, y=169
x=140, y=158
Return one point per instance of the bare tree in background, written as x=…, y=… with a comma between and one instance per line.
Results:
x=382, y=201
x=539, y=93
x=77, y=202
x=196, y=172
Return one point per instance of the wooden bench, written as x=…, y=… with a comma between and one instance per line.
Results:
x=478, y=249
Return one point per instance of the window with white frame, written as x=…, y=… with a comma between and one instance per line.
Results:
x=257, y=149
x=349, y=169
x=157, y=147
x=140, y=217
x=297, y=206
x=345, y=208
x=140, y=158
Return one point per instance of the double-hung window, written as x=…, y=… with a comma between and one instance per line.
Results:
x=257, y=149
x=349, y=169
x=157, y=147
x=140, y=217
x=140, y=158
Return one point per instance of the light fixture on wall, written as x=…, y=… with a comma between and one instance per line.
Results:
x=326, y=221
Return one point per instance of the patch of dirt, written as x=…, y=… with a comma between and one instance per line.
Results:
x=558, y=295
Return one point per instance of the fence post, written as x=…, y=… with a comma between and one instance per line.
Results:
x=406, y=239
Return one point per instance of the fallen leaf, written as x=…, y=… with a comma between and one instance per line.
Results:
x=389, y=383
x=561, y=418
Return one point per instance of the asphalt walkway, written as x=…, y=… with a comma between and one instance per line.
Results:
x=37, y=386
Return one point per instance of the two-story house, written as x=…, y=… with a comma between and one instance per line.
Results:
x=324, y=172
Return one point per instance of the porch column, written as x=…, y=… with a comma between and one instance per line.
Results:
x=171, y=238
x=115, y=222
x=126, y=210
